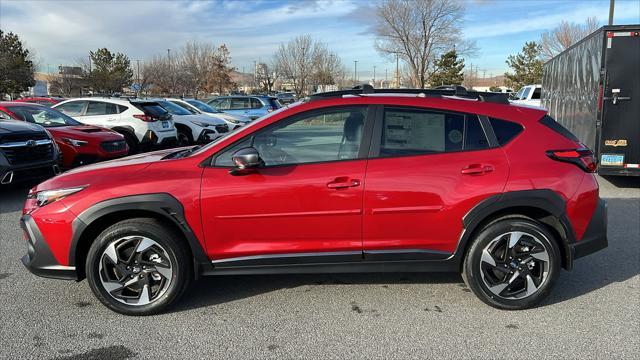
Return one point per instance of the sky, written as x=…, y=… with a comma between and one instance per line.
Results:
x=62, y=31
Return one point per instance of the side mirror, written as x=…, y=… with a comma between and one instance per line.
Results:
x=245, y=159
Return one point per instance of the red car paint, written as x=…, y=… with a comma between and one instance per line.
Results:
x=46, y=101
x=72, y=155
x=412, y=202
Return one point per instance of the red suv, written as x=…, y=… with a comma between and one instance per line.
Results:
x=361, y=180
x=80, y=144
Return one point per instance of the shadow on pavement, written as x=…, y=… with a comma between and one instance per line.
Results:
x=214, y=290
x=625, y=182
x=618, y=263
x=12, y=197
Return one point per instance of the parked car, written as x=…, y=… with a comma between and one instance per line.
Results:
x=80, y=144
x=27, y=152
x=528, y=95
x=199, y=107
x=432, y=180
x=194, y=128
x=46, y=101
x=591, y=89
x=144, y=124
x=249, y=106
x=286, y=98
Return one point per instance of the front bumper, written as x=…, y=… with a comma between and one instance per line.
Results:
x=39, y=260
x=595, y=237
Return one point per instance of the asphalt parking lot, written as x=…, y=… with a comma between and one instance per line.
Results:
x=593, y=313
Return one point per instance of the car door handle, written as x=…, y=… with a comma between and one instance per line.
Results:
x=343, y=182
x=476, y=169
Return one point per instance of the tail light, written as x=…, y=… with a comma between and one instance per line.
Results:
x=145, y=118
x=582, y=157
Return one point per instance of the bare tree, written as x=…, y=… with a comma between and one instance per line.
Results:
x=419, y=31
x=295, y=61
x=197, y=63
x=266, y=76
x=328, y=69
x=564, y=35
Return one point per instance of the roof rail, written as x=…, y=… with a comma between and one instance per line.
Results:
x=441, y=91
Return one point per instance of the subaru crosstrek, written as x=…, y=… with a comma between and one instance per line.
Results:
x=361, y=180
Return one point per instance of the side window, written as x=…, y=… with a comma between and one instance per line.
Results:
x=221, y=104
x=72, y=108
x=101, y=108
x=504, y=130
x=536, y=94
x=416, y=132
x=239, y=103
x=4, y=116
x=330, y=135
x=474, y=136
x=122, y=108
x=256, y=103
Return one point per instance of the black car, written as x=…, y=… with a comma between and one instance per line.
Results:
x=27, y=152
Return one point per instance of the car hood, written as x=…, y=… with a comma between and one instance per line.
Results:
x=229, y=117
x=85, y=132
x=13, y=126
x=200, y=117
x=129, y=167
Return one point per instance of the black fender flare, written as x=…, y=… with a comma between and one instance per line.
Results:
x=542, y=199
x=161, y=204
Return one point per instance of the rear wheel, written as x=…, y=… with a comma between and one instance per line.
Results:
x=138, y=267
x=512, y=264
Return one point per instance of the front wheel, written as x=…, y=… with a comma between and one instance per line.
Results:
x=512, y=264
x=138, y=267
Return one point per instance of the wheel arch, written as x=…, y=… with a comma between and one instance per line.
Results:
x=544, y=206
x=161, y=206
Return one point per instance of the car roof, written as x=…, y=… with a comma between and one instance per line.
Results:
x=446, y=103
x=20, y=103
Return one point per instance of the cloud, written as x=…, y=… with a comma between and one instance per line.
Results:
x=543, y=19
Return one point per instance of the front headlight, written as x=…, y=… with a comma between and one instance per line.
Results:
x=74, y=142
x=49, y=196
x=201, y=124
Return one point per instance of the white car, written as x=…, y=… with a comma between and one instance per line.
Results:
x=194, y=128
x=144, y=124
x=199, y=107
x=528, y=95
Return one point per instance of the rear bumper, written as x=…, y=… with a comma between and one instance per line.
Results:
x=39, y=260
x=595, y=237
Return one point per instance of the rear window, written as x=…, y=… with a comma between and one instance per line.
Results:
x=505, y=130
x=152, y=109
x=549, y=122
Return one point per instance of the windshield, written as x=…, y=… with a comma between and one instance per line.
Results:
x=44, y=116
x=203, y=107
x=250, y=125
x=173, y=109
x=523, y=93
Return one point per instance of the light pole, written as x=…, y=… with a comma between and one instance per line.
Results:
x=397, y=70
x=355, y=72
x=374, y=76
x=612, y=4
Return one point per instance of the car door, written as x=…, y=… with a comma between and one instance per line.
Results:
x=427, y=169
x=257, y=108
x=101, y=113
x=304, y=203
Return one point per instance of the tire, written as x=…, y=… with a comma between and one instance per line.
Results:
x=152, y=269
x=184, y=137
x=132, y=142
x=512, y=264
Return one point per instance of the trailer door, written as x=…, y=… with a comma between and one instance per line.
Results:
x=620, y=132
